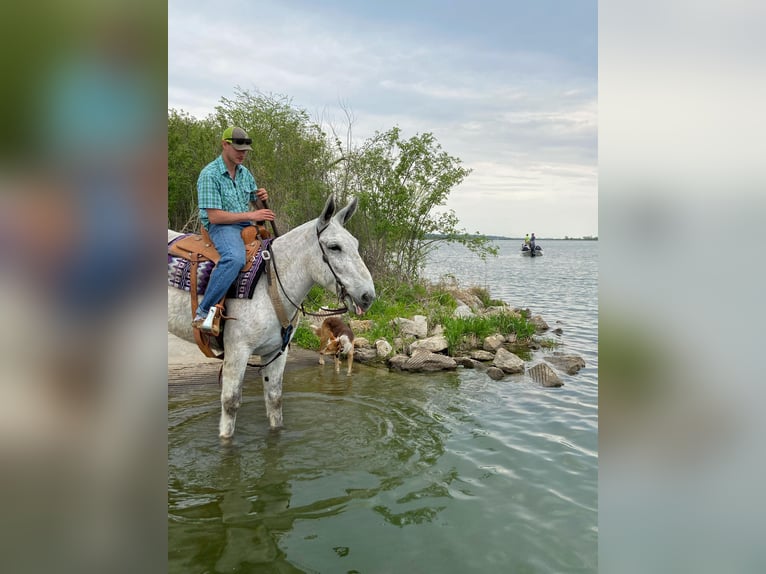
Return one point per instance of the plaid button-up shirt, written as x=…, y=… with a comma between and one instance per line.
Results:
x=216, y=189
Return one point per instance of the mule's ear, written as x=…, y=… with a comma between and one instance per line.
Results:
x=345, y=214
x=329, y=209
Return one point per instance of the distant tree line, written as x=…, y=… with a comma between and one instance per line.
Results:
x=399, y=182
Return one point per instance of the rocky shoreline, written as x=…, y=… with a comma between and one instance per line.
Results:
x=423, y=348
x=420, y=348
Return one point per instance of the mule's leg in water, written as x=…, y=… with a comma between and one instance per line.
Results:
x=272, y=390
x=234, y=365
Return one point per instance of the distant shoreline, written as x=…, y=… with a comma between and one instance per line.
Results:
x=502, y=238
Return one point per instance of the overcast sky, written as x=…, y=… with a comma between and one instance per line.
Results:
x=508, y=86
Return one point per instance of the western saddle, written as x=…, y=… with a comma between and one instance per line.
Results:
x=198, y=248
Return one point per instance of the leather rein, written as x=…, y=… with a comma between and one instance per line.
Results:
x=289, y=325
x=339, y=286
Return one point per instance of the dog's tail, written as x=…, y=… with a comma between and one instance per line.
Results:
x=316, y=329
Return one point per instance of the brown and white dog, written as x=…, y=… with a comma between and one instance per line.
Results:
x=335, y=338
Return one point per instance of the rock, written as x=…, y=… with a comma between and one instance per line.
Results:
x=397, y=362
x=421, y=321
x=383, y=348
x=570, y=364
x=425, y=361
x=361, y=343
x=470, y=341
x=493, y=342
x=365, y=355
x=497, y=310
x=468, y=298
x=508, y=362
x=433, y=344
x=523, y=312
x=438, y=330
x=360, y=325
x=543, y=374
x=463, y=311
x=558, y=331
x=495, y=373
x=539, y=323
x=480, y=355
x=417, y=327
x=466, y=362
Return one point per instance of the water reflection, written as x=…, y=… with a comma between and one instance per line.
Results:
x=331, y=383
x=351, y=445
x=253, y=512
x=227, y=505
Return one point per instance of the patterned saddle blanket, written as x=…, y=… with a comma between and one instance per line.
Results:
x=179, y=273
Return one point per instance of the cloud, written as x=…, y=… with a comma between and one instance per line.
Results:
x=519, y=111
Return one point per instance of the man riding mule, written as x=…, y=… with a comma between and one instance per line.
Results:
x=225, y=190
x=320, y=251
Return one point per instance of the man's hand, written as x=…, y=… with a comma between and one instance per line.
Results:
x=261, y=215
x=262, y=195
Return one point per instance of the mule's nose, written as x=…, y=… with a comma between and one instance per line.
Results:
x=367, y=299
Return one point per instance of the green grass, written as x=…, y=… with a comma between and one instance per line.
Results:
x=484, y=297
x=463, y=334
x=305, y=338
x=548, y=343
x=396, y=300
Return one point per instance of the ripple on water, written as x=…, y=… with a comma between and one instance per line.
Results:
x=457, y=472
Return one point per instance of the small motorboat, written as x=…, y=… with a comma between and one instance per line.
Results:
x=525, y=250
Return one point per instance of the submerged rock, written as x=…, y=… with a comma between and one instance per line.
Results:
x=466, y=362
x=539, y=323
x=543, y=374
x=570, y=364
x=495, y=373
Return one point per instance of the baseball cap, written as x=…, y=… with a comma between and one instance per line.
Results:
x=238, y=138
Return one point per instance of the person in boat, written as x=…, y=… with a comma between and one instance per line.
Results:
x=225, y=189
x=526, y=240
x=532, y=243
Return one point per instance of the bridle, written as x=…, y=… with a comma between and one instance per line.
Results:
x=288, y=326
x=340, y=288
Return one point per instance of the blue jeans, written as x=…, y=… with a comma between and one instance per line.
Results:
x=228, y=241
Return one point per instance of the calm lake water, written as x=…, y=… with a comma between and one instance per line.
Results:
x=382, y=472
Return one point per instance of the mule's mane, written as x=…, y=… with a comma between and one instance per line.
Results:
x=306, y=226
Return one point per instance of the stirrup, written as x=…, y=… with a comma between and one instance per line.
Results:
x=207, y=324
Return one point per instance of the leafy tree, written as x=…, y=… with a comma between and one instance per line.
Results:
x=290, y=155
x=401, y=184
x=192, y=144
